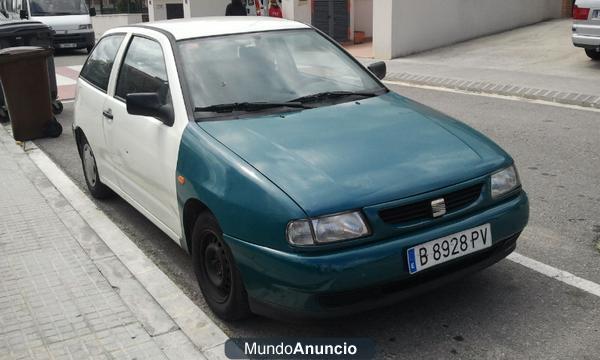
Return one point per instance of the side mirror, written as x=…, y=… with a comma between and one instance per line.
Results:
x=23, y=14
x=92, y=11
x=379, y=69
x=149, y=104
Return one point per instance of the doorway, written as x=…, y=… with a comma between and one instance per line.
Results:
x=174, y=11
x=332, y=17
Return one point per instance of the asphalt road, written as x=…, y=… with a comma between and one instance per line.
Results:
x=64, y=57
x=507, y=311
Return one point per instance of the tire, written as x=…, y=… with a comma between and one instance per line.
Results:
x=594, y=54
x=218, y=276
x=90, y=172
x=57, y=107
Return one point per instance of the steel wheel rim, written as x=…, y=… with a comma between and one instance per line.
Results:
x=216, y=268
x=89, y=165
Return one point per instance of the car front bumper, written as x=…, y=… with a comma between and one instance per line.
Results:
x=305, y=286
x=74, y=40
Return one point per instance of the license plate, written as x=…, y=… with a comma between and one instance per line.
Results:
x=67, y=46
x=448, y=248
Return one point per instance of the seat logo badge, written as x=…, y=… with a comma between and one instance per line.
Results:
x=438, y=208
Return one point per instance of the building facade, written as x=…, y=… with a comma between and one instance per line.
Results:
x=403, y=27
x=396, y=27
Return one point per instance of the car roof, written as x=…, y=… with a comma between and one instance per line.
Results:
x=222, y=25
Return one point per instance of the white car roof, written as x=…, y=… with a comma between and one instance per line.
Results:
x=221, y=25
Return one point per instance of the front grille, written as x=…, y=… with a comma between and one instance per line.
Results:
x=422, y=210
x=65, y=39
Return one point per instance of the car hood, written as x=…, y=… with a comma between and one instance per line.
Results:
x=357, y=154
x=64, y=22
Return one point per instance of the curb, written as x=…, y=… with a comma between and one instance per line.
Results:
x=576, y=99
x=193, y=322
x=180, y=327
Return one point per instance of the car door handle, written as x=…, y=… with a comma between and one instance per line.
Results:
x=107, y=114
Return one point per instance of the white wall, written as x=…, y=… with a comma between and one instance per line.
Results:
x=208, y=7
x=363, y=16
x=158, y=9
x=102, y=23
x=191, y=8
x=299, y=10
x=402, y=27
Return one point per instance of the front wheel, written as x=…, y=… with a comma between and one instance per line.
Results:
x=219, y=279
x=594, y=54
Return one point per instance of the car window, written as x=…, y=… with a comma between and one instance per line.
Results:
x=58, y=7
x=143, y=70
x=99, y=64
x=274, y=66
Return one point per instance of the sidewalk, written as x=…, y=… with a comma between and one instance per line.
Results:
x=66, y=79
x=536, y=62
x=64, y=294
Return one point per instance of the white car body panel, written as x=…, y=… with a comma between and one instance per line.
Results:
x=136, y=155
x=65, y=22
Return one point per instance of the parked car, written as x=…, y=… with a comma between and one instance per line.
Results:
x=70, y=19
x=586, y=27
x=297, y=181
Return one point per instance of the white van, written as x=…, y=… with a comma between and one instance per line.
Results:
x=70, y=19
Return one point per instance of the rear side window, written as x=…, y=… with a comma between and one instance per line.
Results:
x=98, y=66
x=143, y=70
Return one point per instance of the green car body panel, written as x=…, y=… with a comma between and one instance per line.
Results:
x=258, y=173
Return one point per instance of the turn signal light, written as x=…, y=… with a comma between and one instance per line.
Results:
x=580, y=13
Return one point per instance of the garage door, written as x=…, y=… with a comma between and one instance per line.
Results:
x=332, y=17
x=174, y=11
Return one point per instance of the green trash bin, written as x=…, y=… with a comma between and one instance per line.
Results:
x=24, y=77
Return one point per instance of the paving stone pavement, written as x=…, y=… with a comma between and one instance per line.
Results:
x=577, y=99
x=55, y=303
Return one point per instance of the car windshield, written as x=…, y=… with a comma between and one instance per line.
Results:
x=58, y=7
x=270, y=67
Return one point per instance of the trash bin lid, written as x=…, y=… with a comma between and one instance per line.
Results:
x=17, y=53
x=12, y=29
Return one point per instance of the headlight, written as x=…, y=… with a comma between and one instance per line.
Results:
x=84, y=27
x=505, y=181
x=327, y=229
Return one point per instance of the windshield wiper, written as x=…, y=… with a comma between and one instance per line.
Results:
x=333, y=95
x=249, y=106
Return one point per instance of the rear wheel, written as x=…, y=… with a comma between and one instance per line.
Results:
x=90, y=172
x=594, y=54
x=216, y=271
